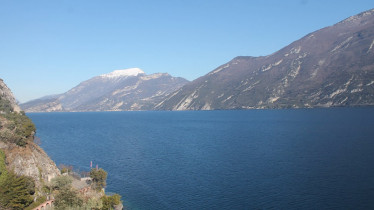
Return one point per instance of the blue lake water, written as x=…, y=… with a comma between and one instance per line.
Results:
x=253, y=159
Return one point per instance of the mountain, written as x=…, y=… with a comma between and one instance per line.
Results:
x=23, y=156
x=128, y=89
x=333, y=66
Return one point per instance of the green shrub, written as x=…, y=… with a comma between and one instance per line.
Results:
x=93, y=203
x=68, y=199
x=98, y=177
x=11, y=126
x=110, y=201
x=61, y=182
x=38, y=201
x=3, y=170
x=5, y=105
x=15, y=191
x=20, y=128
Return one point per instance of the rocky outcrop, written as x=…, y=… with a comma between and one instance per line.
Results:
x=7, y=95
x=330, y=67
x=29, y=160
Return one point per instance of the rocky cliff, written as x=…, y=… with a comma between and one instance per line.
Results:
x=333, y=66
x=28, y=159
x=7, y=96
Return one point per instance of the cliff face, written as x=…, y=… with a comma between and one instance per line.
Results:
x=30, y=159
x=7, y=95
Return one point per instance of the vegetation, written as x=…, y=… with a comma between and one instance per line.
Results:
x=68, y=199
x=93, y=203
x=3, y=170
x=110, y=201
x=99, y=178
x=19, y=192
x=5, y=105
x=61, y=182
x=65, y=168
x=38, y=201
x=17, y=128
x=16, y=192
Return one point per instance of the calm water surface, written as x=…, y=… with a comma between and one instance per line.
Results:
x=254, y=159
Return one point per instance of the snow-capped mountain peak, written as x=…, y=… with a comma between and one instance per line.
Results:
x=123, y=73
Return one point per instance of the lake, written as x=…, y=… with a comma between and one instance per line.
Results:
x=244, y=159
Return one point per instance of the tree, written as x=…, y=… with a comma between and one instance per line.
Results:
x=15, y=192
x=68, y=199
x=110, y=201
x=30, y=185
x=61, y=182
x=3, y=170
x=98, y=177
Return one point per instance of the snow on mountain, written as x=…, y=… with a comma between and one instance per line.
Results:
x=128, y=89
x=123, y=73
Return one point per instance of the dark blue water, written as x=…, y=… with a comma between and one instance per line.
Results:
x=255, y=159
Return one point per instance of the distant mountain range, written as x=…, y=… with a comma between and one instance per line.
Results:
x=331, y=67
x=129, y=89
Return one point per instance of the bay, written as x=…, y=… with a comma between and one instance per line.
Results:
x=243, y=159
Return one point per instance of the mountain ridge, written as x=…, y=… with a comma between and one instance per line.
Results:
x=120, y=90
x=332, y=66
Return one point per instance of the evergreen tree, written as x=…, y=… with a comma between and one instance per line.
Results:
x=15, y=192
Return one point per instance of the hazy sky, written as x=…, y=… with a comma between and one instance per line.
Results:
x=50, y=46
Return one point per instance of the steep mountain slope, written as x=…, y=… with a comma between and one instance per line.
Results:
x=7, y=99
x=330, y=67
x=23, y=156
x=129, y=89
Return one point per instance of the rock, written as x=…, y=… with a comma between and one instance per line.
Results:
x=29, y=160
x=6, y=94
x=32, y=161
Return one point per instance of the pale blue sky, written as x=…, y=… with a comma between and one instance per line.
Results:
x=50, y=46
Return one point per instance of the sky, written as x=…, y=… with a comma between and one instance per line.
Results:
x=50, y=46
